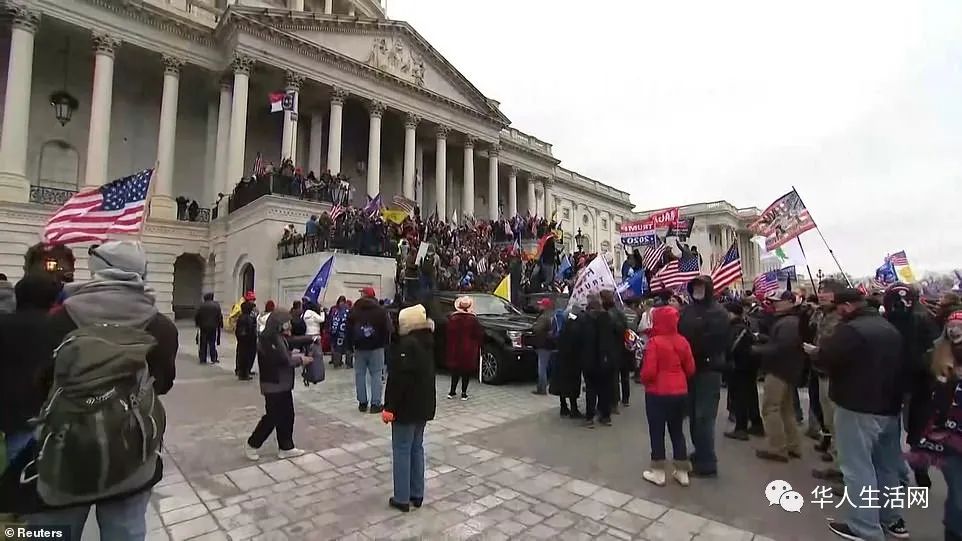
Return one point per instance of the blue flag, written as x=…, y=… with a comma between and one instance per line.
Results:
x=563, y=269
x=635, y=286
x=319, y=283
x=885, y=275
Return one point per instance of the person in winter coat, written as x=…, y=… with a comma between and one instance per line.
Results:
x=8, y=301
x=743, y=379
x=826, y=321
x=668, y=365
x=409, y=403
x=313, y=324
x=369, y=329
x=622, y=373
x=117, y=294
x=245, y=330
x=543, y=342
x=276, y=364
x=209, y=321
x=269, y=308
x=22, y=359
x=566, y=378
x=465, y=336
x=600, y=353
x=704, y=323
x=337, y=319
x=783, y=362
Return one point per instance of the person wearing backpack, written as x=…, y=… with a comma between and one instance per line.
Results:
x=369, y=331
x=112, y=338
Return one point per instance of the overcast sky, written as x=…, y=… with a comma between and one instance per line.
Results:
x=856, y=103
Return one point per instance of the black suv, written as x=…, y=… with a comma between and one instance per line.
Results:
x=505, y=354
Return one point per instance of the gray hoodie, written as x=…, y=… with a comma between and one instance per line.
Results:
x=8, y=302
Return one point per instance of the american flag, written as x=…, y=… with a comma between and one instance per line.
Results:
x=336, y=211
x=258, y=165
x=899, y=259
x=93, y=214
x=677, y=273
x=404, y=204
x=653, y=255
x=729, y=270
x=483, y=265
x=766, y=283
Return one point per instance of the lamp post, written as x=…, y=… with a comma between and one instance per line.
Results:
x=579, y=239
x=819, y=275
x=63, y=102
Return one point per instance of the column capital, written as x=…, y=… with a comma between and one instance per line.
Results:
x=339, y=95
x=172, y=64
x=293, y=81
x=411, y=121
x=494, y=151
x=226, y=81
x=376, y=108
x=24, y=18
x=442, y=131
x=469, y=141
x=514, y=171
x=104, y=43
x=242, y=64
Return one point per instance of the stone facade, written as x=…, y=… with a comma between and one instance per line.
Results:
x=184, y=84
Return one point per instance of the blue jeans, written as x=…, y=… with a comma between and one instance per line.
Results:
x=119, y=520
x=16, y=442
x=952, y=471
x=704, y=392
x=208, y=345
x=662, y=411
x=407, y=444
x=369, y=363
x=544, y=358
x=870, y=456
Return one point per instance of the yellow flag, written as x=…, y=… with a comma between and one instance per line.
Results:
x=906, y=274
x=234, y=313
x=396, y=216
x=504, y=289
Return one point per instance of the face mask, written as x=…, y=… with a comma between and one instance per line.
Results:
x=698, y=294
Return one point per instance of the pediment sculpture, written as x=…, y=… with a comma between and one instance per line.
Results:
x=392, y=56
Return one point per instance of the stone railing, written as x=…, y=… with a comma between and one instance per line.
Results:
x=46, y=195
x=203, y=215
x=201, y=11
x=525, y=140
x=594, y=185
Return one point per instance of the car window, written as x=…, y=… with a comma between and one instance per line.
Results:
x=489, y=305
x=445, y=306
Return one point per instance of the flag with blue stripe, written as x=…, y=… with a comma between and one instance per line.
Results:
x=319, y=283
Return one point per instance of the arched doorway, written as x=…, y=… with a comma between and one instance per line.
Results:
x=246, y=279
x=188, y=285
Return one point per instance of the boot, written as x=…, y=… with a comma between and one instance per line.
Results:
x=682, y=467
x=656, y=473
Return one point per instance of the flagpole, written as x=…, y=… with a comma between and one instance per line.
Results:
x=825, y=242
x=150, y=194
x=807, y=268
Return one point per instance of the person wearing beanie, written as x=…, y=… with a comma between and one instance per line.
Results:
x=116, y=295
x=8, y=301
x=463, y=346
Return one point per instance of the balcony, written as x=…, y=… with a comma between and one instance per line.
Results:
x=528, y=141
x=58, y=197
x=199, y=11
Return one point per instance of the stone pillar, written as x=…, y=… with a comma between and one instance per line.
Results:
x=493, y=153
x=376, y=110
x=293, y=83
x=441, y=171
x=242, y=66
x=162, y=203
x=352, y=10
x=419, y=174
x=223, y=184
x=513, y=192
x=316, y=144
x=98, y=140
x=328, y=7
x=467, y=206
x=14, y=185
x=296, y=5
x=338, y=95
x=410, y=140
x=546, y=199
x=532, y=196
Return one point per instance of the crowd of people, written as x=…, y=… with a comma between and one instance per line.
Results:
x=286, y=179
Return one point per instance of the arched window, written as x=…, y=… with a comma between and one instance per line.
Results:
x=59, y=165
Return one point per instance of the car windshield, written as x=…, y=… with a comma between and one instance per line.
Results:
x=489, y=305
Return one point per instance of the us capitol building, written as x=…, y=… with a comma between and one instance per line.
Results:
x=99, y=89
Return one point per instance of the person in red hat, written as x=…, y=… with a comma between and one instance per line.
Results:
x=368, y=332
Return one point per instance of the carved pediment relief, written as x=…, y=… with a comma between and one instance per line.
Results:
x=393, y=56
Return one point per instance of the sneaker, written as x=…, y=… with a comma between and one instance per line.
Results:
x=655, y=477
x=843, y=530
x=251, y=453
x=756, y=431
x=605, y=421
x=464, y=397
x=575, y=414
x=897, y=529
x=625, y=403
x=589, y=423
x=362, y=407
x=565, y=412
x=289, y=453
x=765, y=454
x=376, y=408
x=681, y=477
x=740, y=435
x=402, y=507
x=452, y=396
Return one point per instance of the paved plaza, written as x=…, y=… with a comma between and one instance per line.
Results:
x=502, y=465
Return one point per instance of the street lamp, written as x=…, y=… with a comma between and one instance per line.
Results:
x=579, y=239
x=819, y=275
x=64, y=104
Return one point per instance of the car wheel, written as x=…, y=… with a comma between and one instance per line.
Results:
x=493, y=368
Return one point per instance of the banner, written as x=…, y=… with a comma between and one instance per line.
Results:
x=644, y=232
x=681, y=228
x=594, y=278
x=783, y=220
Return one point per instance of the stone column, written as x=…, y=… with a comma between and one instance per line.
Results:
x=222, y=184
x=296, y=5
x=352, y=9
x=546, y=199
x=532, y=196
x=468, y=191
x=513, y=192
x=162, y=203
x=441, y=172
x=338, y=95
x=242, y=66
x=98, y=140
x=493, y=153
x=316, y=140
x=419, y=174
x=14, y=185
x=293, y=83
x=328, y=7
x=376, y=110
x=410, y=140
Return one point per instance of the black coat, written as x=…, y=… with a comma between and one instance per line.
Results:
x=566, y=375
x=706, y=326
x=209, y=317
x=740, y=356
x=782, y=355
x=600, y=350
x=410, y=394
x=26, y=349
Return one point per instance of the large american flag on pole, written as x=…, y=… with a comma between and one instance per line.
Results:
x=729, y=270
x=766, y=283
x=676, y=273
x=94, y=214
x=653, y=255
x=899, y=259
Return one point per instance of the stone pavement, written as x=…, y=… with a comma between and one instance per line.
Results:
x=500, y=466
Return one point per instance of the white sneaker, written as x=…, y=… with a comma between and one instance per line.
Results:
x=656, y=477
x=451, y=396
x=681, y=477
x=289, y=453
x=464, y=397
x=251, y=453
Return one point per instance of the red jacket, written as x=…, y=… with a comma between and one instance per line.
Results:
x=464, y=339
x=668, y=361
